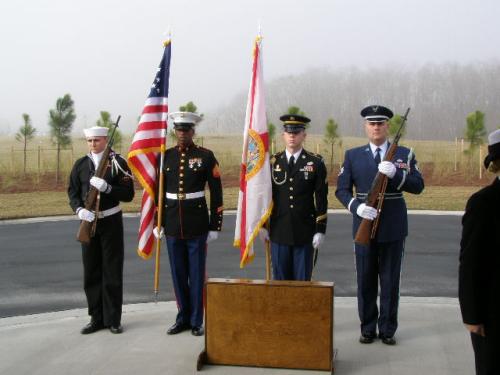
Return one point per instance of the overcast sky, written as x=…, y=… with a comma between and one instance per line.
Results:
x=105, y=53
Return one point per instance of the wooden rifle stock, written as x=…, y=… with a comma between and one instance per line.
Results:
x=368, y=228
x=86, y=231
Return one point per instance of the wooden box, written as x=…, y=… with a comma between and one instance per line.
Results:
x=286, y=324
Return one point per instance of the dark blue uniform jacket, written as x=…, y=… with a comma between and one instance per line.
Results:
x=359, y=170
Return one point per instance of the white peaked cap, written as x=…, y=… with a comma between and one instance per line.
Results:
x=185, y=117
x=494, y=137
x=95, y=131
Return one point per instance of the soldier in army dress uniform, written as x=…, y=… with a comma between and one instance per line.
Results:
x=382, y=257
x=187, y=224
x=299, y=216
x=103, y=257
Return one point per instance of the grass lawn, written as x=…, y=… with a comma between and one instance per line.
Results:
x=23, y=205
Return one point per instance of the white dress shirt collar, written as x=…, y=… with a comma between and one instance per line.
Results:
x=383, y=149
x=289, y=154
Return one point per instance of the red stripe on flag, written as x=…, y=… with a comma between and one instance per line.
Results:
x=155, y=108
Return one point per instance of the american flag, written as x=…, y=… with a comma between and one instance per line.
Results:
x=147, y=144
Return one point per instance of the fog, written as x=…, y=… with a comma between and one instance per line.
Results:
x=105, y=54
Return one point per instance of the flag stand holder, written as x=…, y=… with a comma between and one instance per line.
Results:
x=275, y=324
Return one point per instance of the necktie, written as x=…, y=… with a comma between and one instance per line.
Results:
x=377, y=156
x=291, y=163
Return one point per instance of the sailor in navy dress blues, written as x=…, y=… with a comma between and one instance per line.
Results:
x=103, y=257
x=382, y=258
x=186, y=220
x=300, y=203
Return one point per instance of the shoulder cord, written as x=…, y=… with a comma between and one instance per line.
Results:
x=116, y=166
x=278, y=182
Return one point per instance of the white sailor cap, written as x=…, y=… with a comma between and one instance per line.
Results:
x=96, y=131
x=185, y=120
x=493, y=148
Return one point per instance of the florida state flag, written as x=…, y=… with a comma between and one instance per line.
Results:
x=255, y=196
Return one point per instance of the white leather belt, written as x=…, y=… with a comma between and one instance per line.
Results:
x=109, y=212
x=182, y=196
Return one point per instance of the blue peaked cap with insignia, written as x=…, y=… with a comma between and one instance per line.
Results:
x=376, y=113
x=294, y=123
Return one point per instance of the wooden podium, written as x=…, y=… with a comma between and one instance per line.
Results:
x=285, y=324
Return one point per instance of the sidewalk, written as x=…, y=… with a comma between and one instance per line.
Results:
x=431, y=340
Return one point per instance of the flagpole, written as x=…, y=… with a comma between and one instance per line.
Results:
x=160, y=211
x=268, y=256
x=159, y=225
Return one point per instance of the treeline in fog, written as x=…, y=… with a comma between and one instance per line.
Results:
x=440, y=97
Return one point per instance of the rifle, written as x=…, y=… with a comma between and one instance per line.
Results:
x=87, y=230
x=375, y=198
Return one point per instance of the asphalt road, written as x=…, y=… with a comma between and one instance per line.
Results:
x=41, y=269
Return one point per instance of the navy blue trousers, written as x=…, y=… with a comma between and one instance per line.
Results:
x=187, y=264
x=103, y=271
x=379, y=261
x=292, y=262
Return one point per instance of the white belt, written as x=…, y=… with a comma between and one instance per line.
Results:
x=182, y=196
x=109, y=212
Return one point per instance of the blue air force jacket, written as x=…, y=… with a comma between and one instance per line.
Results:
x=359, y=170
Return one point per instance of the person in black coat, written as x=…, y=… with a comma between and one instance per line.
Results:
x=479, y=269
x=382, y=258
x=300, y=203
x=103, y=257
x=187, y=222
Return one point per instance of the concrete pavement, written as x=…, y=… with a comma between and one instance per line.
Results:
x=431, y=340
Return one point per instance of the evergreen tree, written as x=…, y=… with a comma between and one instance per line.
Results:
x=106, y=121
x=331, y=137
x=61, y=120
x=25, y=134
x=475, y=130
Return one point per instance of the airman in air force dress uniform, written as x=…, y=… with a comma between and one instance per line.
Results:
x=382, y=258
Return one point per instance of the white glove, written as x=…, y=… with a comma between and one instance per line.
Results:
x=366, y=212
x=387, y=168
x=263, y=234
x=212, y=236
x=84, y=214
x=318, y=240
x=156, y=234
x=99, y=184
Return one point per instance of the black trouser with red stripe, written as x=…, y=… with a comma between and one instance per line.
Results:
x=103, y=271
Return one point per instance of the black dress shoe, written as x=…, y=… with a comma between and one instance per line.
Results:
x=116, y=329
x=197, y=331
x=367, y=339
x=388, y=340
x=92, y=327
x=177, y=328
